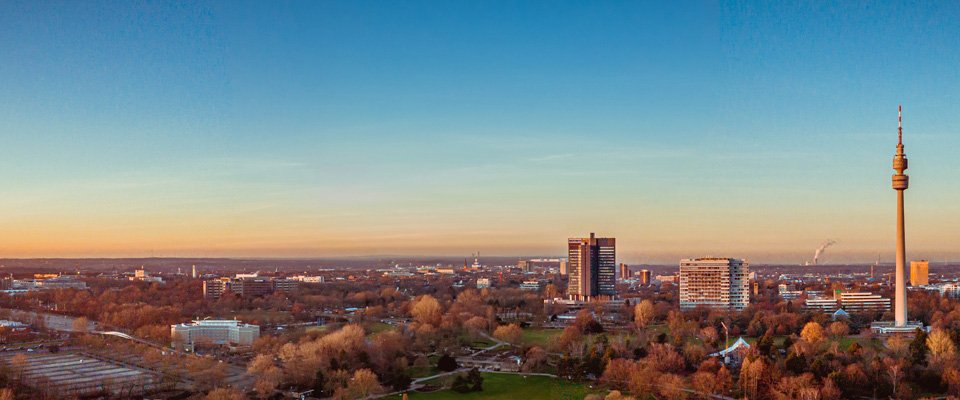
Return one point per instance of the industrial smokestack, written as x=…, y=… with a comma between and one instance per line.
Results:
x=823, y=246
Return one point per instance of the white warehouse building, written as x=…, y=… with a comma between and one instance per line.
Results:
x=215, y=332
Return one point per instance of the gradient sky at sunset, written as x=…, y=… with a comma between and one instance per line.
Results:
x=366, y=128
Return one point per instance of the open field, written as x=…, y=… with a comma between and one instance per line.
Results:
x=511, y=386
x=76, y=373
x=543, y=337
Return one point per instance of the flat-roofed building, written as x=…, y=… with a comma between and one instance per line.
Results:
x=214, y=332
x=715, y=282
x=919, y=273
x=215, y=288
x=530, y=285
x=644, y=275
x=286, y=285
x=593, y=267
x=863, y=302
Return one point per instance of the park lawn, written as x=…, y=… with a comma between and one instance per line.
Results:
x=512, y=386
x=846, y=341
x=543, y=337
x=378, y=327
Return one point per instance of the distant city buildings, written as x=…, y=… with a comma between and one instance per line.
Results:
x=530, y=285
x=592, y=267
x=720, y=283
x=56, y=282
x=248, y=287
x=483, y=283
x=919, y=273
x=142, y=275
x=624, y=271
x=523, y=265
x=213, y=332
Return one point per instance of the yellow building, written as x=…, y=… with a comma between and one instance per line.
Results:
x=919, y=273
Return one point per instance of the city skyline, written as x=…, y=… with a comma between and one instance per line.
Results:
x=344, y=129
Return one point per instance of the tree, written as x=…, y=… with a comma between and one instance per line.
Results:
x=447, y=363
x=225, y=394
x=942, y=349
x=643, y=313
x=918, y=348
x=672, y=387
x=796, y=387
x=751, y=372
x=508, y=333
x=7, y=394
x=838, y=330
x=535, y=358
x=704, y=382
x=812, y=332
x=363, y=384
x=427, y=310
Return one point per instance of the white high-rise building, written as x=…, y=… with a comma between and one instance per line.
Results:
x=721, y=283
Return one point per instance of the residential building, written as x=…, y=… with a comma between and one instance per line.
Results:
x=592, y=267
x=624, y=271
x=919, y=273
x=720, y=283
x=483, y=283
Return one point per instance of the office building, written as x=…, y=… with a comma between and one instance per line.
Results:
x=919, y=273
x=863, y=302
x=624, y=271
x=563, y=267
x=720, y=283
x=850, y=302
x=483, y=283
x=286, y=285
x=213, y=332
x=523, y=265
x=248, y=287
x=644, y=275
x=214, y=288
x=592, y=267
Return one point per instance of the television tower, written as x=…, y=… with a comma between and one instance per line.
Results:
x=900, y=183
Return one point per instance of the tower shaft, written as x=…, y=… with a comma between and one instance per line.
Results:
x=900, y=295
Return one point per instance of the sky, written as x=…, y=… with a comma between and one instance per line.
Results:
x=351, y=128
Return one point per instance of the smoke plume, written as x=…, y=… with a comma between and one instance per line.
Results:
x=823, y=246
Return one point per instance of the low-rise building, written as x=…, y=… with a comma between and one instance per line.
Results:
x=530, y=285
x=213, y=332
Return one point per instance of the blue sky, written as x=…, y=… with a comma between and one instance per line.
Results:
x=354, y=128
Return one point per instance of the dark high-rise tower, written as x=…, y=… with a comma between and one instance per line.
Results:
x=592, y=267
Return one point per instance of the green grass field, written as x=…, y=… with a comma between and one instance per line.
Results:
x=377, y=327
x=509, y=386
x=540, y=336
